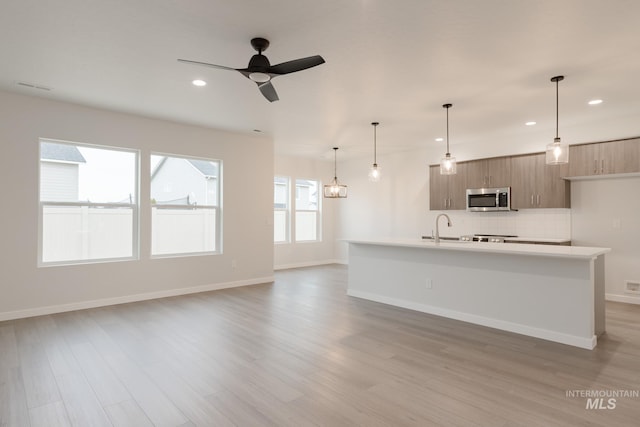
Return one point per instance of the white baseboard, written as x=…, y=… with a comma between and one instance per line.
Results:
x=576, y=341
x=305, y=264
x=622, y=298
x=52, y=309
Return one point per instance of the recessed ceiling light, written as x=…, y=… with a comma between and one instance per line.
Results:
x=530, y=123
x=439, y=139
x=595, y=102
x=199, y=82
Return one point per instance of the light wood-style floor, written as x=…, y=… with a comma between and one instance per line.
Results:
x=299, y=352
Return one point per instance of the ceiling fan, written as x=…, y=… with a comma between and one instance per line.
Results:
x=261, y=71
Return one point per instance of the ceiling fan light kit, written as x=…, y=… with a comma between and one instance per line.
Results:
x=262, y=72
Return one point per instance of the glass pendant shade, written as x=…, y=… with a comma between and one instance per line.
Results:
x=557, y=153
x=448, y=165
x=335, y=190
x=374, y=173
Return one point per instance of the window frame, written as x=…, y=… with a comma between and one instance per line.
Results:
x=287, y=211
x=318, y=212
x=217, y=209
x=135, y=207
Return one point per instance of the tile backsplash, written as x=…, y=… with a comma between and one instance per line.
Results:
x=533, y=223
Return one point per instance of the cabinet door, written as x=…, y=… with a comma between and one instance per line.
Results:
x=489, y=173
x=631, y=156
x=620, y=156
x=438, y=191
x=476, y=174
x=447, y=191
x=584, y=160
x=526, y=178
x=555, y=192
x=498, y=171
x=457, y=187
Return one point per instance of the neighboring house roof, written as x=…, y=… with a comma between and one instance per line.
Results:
x=205, y=167
x=280, y=180
x=61, y=152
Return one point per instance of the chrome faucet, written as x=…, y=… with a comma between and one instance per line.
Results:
x=437, y=239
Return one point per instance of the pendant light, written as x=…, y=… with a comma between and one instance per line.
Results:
x=335, y=190
x=557, y=152
x=448, y=163
x=374, y=172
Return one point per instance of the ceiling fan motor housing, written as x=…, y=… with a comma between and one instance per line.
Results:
x=259, y=63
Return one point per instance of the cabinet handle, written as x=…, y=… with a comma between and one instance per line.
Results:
x=532, y=200
x=595, y=166
x=538, y=200
x=602, y=166
x=490, y=180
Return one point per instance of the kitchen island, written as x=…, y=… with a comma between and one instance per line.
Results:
x=550, y=292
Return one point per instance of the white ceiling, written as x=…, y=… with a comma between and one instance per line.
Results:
x=395, y=62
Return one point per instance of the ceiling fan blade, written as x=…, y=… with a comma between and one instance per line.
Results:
x=296, y=65
x=205, y=64
x=268, y=91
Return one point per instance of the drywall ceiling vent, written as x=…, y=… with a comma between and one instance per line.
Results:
x=33, y=86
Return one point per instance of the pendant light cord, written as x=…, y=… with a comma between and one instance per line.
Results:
x=447, y=106
x=335, y=164
x=375, y=144
x=557, y=108
x=557, y=79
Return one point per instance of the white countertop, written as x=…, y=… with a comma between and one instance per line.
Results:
x=576, y=252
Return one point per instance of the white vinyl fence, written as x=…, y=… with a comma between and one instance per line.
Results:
x=77, y=233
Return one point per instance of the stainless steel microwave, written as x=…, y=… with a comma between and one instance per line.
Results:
x=489, y=199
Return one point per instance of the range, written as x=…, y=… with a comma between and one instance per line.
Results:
x=491, y=238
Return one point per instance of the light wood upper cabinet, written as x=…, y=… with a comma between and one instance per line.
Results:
x=535, y=184
x=488, y=173
x=604, y=158
x=447, y=192
x=630, y=156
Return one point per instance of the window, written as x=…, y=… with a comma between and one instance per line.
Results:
x=307, y=210
x=88, y=203
x=280, y=209
x=185, y=199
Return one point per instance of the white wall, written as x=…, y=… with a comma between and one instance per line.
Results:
x=26, y=289
x=606, y=212
x=396, y=206
x=287, y=255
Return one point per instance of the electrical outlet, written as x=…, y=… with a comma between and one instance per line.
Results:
x=616, y=223
x=234, y=263
x=632, y=287
x=429, y=283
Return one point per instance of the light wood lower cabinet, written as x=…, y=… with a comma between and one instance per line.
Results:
x=535, y=184
x=447, y=192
